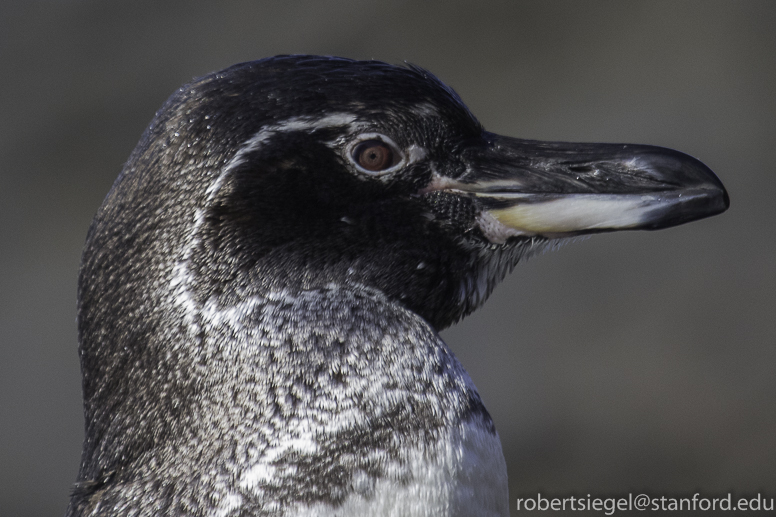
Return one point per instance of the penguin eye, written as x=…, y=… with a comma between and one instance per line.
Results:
x=375, y=154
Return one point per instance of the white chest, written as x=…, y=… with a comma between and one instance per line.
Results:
x=461, y=475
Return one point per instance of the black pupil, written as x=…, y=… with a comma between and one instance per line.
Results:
x=373, y=155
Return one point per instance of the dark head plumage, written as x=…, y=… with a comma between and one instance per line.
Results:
x=251, y=187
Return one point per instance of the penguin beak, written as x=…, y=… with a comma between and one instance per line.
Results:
x=558, y=189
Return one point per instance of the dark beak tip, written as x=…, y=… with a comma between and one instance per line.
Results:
x=719, y=197
x=715, y=202
x=717, y=183
x=725, y=199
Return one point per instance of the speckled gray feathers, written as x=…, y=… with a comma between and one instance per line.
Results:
x=313, y=391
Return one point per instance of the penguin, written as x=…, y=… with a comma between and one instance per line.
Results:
x=261, y=291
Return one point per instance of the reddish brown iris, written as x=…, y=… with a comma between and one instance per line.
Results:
x=374, y=155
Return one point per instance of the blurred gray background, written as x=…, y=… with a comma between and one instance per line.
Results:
x=629, y=362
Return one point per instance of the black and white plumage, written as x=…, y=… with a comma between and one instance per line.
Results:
x=261, y=291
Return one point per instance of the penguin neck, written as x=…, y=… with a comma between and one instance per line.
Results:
x=304, y=368
x=293, y=398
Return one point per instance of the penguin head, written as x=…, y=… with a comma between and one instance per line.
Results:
x=297, y=172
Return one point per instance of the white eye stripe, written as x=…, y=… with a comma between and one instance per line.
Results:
x=285, y=126
x=182, y=276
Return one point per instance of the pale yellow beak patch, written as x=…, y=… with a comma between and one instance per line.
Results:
x=572, y=213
